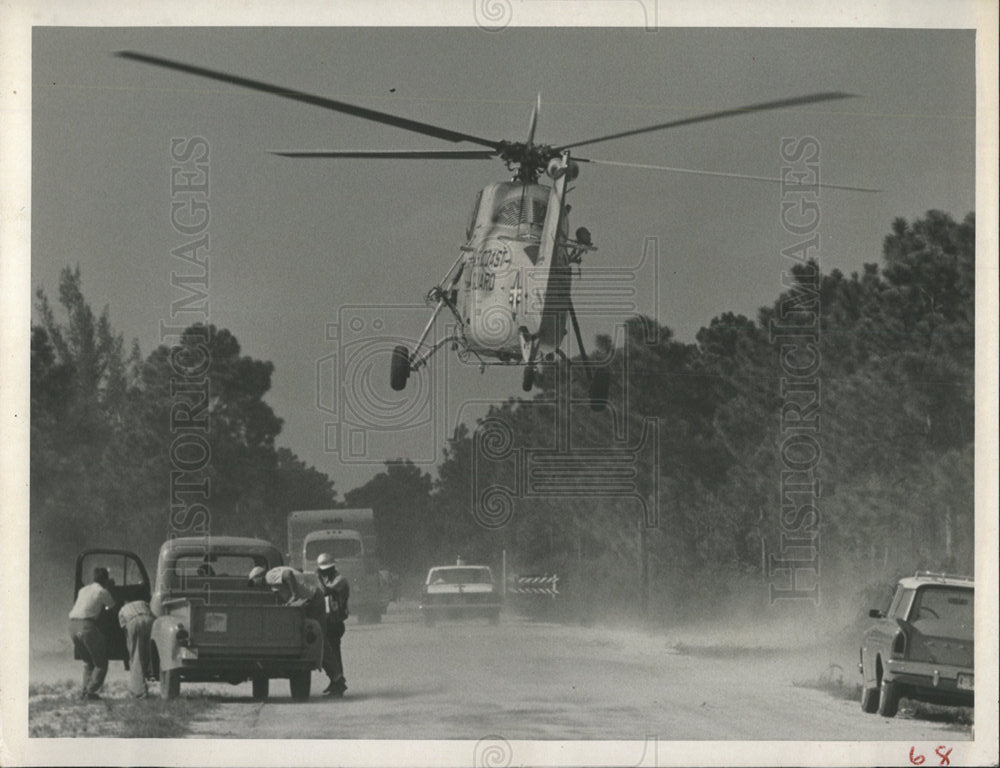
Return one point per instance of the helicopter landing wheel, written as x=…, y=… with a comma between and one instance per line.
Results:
x=528, y=378
x=599, y=384
x=400, y=369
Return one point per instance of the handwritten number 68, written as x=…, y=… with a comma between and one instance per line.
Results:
x=942, y=752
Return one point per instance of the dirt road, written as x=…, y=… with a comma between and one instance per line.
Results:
x=533, y=680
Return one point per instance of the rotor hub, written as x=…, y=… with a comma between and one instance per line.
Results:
x=528, y=161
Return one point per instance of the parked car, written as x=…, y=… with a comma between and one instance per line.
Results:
x=922, y=646
x=210, y=624
x=451, y=591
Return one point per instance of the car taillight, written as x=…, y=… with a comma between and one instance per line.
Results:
x=899, y=645
x=182, y=636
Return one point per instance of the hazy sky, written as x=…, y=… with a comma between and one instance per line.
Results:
x=300, y=246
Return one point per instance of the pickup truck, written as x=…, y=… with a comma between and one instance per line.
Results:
x=211, y=626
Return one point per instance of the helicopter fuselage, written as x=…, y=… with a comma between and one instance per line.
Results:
x=511, y=287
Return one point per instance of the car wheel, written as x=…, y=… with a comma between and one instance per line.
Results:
x=170, y=683
x=261, y=686
x=888, y=699
x=299, y=683
x=869, y=699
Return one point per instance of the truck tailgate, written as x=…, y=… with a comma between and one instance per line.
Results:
x=235, y=628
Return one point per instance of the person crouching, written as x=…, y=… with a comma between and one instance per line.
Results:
x=136, y=619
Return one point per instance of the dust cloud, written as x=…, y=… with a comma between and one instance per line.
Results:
x=735, y=618
x=732, y=618
x=50, y=599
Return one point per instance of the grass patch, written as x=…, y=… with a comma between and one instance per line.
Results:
x=832, y=682
x=64, y=688
x=962, y=718
x=56, y=711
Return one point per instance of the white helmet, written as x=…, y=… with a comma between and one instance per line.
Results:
x=255, y=572
x=325, y=562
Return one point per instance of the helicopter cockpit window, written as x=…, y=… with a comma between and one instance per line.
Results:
x=518, y=205
x=521, y=210
x=511, y=213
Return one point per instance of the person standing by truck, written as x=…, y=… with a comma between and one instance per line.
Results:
x=88, y=639
x=337, y=592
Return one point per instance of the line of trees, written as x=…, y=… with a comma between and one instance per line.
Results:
x=894, y=418
x=104, y=421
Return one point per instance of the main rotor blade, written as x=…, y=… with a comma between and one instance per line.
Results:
x=789, y=182
x=308, y=98
x=762, y=107
x=416, y=154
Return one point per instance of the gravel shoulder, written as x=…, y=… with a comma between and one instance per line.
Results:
x=524, y=680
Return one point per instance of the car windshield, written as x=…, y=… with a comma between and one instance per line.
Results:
x=949, y=604
x=460, y=576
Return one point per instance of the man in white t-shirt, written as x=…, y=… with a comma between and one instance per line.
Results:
x=87, y=637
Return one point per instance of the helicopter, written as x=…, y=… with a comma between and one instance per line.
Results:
x=510, y=288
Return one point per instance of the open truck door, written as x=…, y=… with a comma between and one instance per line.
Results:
x=131, y=582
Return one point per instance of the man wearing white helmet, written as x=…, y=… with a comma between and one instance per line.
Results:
x=337, y=592
x=296, y=588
